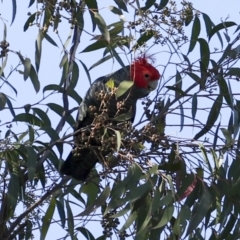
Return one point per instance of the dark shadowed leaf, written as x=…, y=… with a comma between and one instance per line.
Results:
x=208, y=23
x=181, y=116
x=61, y=212
x=219, y=27
x=73, y=94
x=163, y=4
x=93, y=7
x=195, y=33
x=42, y=114
x=29, y=22
x=194, y=106
x=10, y=107
x=88, y=235
x=50, y=40
x=60, y=111
x=3, y=100
x=121, y=4
x=53, y=136
x=64, y=60
x=31, y=163
x=87, y=72
x=70, y=220
x=148, y=4
x=75, y=76
x=235, y=71
x=224, y=91
x=200, y=209
x=47, y=218
x=144, y=38
x=14, y=10
x=205, y=52
x=178, y=83
x=13, y=191
x=212, y=117
x=28, y=118
x=34, y=78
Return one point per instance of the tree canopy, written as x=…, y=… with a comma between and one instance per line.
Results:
x=174, y=172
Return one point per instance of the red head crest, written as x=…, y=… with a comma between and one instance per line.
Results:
x=143, y=73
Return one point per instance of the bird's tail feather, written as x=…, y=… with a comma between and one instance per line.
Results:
x=78, y=167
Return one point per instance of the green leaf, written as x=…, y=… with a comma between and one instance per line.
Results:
x=29, y=21
x=144, y=38
x=212, y=117
x=195, y=33
x=163, y=4
x=91, y=189
x=73, y=94
x=224, y=90
x=42, y=114
x=178, y=83
x=3, y=100
x=64, y=60
x=97, y=203
x=31, y=3
x=75, y=76
x=208, y=23
x=167, y=215
x=10, y=107
x=27, y=68
x=205, y=52
x=60, y=110
x=47, y=218
x=110, y=83
x=61, y=213
x=188, y=17
x=201, y=208
x=99, y=62
x=54, y=137
x=148, y=4
x=235, y=71
x=87, y=72
x=102, y=26
x=95, y=46
x=87, y=234
x=121, y=4
x=228, y=227
x=123, y=87
x=92, y=5
x=219, y=27
x=50, y=40
x=31, y=163
x=129, y=221
x=194, y=106
x=14, y=10
x=28, y=229
x=181, y=116
x=38, y=49
x=28, y=118
x=34, y=78
x=13, y=191
x=115, y=10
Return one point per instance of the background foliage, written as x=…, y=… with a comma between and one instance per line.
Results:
x=157, y=185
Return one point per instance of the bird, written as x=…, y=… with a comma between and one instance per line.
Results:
x=144, y=77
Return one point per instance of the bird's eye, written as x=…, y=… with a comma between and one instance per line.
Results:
x=146, y=75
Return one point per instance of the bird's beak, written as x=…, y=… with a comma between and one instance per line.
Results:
x=152, y=85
